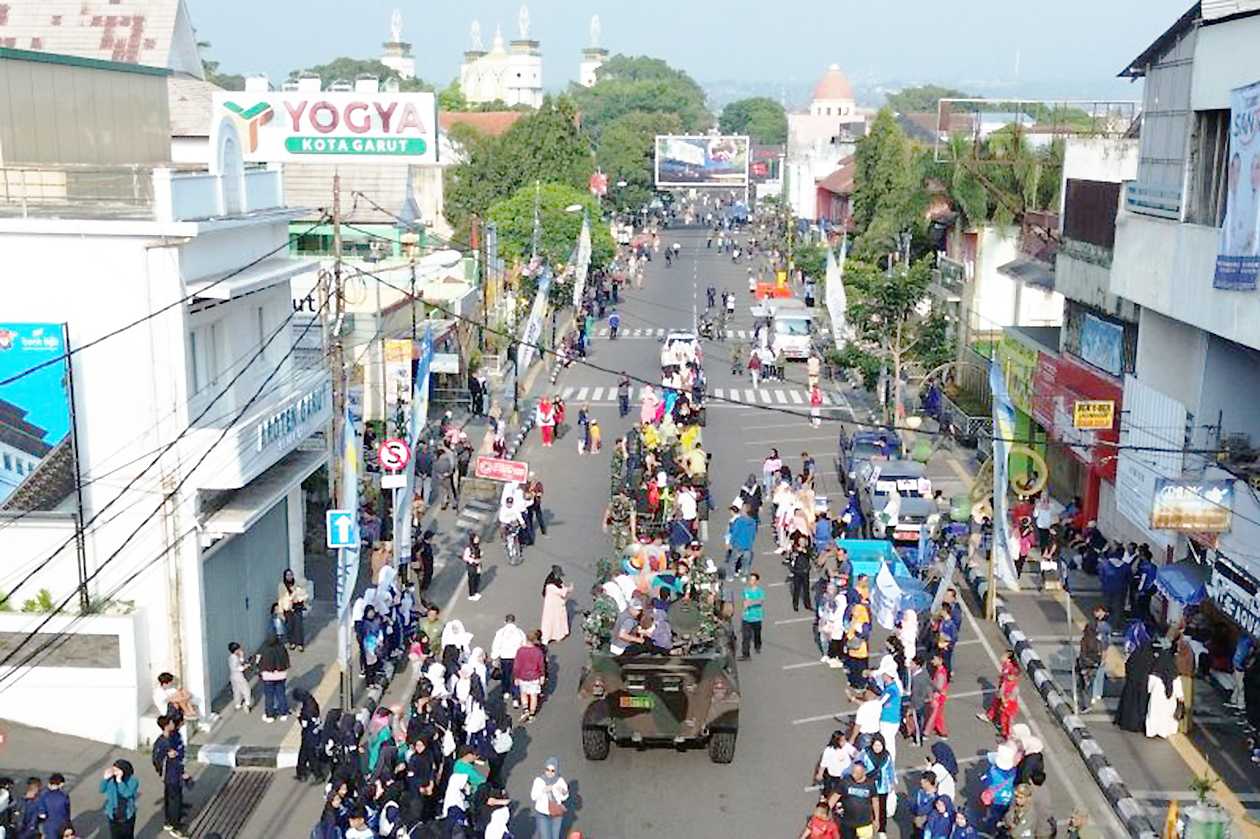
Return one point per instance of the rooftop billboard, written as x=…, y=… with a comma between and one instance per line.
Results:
x=718, y=160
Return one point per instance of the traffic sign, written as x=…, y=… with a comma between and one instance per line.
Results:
x=393, y=480
x=342, y=527
x=394, y=454
x=502, y=469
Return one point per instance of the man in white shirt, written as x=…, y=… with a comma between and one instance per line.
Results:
x=686, y=505
x=866, y=721
x=507, y=641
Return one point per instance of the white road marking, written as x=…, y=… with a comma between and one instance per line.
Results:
x=796, y=397
x=826, y=399
x=581, y=394
x=717, y=393
x=748, y=395
x=780, y=398
x=568, y=391
x=734, y=395
x=765, y=395
x=786, y=621
x=598, y=394
x=660, y=333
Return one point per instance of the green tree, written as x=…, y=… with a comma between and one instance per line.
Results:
x=626, y=152
x=227, y=81
x=625, y=84
x=812, y=260
x=514, y=219
x=545, y=146
x=923, y=98
x=885, y=309
x=884, y=185
x=451, y=97
x=760, y=117
x=348, y=69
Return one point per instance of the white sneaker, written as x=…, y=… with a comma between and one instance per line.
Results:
x=824, y=660
x=474, y=597
x=516, y=703
x=283, y=717
x=268, y=719
x=835, y=664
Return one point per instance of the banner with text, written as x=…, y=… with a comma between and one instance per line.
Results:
x=1238, y=257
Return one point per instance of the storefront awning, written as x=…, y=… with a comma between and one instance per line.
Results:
x=252, y=501
x=267, y=273
x=1185, y=582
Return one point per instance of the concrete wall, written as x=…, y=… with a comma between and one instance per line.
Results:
x=53, y=697
x=1170, y=357
x=1168, y=266
x=1225, y=57
x=1231, y=391
x=1099, y=159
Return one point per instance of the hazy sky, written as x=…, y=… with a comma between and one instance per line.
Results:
x=1080, y=43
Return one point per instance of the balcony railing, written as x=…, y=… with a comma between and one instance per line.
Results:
x=141, y=193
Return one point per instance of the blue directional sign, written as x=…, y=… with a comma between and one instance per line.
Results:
x=343, y=529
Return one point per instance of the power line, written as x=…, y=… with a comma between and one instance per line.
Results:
x=76, y=350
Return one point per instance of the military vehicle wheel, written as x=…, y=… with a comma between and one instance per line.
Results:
x=595, y=743
x=722, y=746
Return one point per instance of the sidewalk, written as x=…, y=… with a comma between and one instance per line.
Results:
x=1156, y=772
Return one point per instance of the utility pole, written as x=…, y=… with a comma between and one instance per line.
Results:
x=338, y=369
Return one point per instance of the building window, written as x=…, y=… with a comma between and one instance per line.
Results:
x=203, y=358
x=828, y=111
x=8, y=463
x=1210, y=168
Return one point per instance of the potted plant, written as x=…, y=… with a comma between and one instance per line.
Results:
x=1205, y=819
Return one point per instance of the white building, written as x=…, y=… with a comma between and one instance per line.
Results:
x=194, y=425
x=820, y=138
x=593, y=57
x=397, y=56
x=1198, y=352
x=511, y=74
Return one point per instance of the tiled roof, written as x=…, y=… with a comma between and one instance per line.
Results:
x=44, y=488
x=924, y=125
x=190, y=103
x=489, y=123
x=127, y=31
x=840, y=182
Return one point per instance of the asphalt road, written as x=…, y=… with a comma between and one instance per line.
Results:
x=788, y=698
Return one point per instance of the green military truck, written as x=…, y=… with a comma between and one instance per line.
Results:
x=679, y=699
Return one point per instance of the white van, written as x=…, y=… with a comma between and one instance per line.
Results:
x=791, y=326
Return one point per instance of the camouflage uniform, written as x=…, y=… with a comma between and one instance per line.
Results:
x=620, y=510
x=618, y=473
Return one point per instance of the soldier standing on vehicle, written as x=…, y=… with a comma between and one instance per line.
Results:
x=619, y=521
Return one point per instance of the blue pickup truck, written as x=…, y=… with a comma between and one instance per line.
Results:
x=862, y=446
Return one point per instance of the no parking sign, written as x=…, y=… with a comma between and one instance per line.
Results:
x=394, y=454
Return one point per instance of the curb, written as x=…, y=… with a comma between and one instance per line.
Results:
x=1109, y=781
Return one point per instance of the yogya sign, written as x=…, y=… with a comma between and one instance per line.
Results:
x=300, y=125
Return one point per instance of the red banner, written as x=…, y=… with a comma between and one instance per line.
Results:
x=1058, y=384
x=502, y=469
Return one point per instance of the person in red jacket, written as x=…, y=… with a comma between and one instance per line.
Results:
x=1005, y=703
x=821, y=825
x=529, y=670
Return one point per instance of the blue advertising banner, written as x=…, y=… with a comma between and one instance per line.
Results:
x=1238, y=258
x=1102, y=344
x=35, y=409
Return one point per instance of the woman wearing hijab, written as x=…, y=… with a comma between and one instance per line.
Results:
x=879, y=765
x=1134, y=699
x=120, y=788
x=472, y=564
x=555, y=617
x=546, y=421
x=1165, y=692
x=308, y=761
x=291, y=597
x=944, y=765
x=549, y=794
x=648, y=405
x=1032, y=763
x=940, y=695
x=940, y=819
x=962, y=826
x=770, y=471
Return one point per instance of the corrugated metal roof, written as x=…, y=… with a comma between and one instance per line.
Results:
x=1137, y=67
x=125, y=31
x=1216, y=9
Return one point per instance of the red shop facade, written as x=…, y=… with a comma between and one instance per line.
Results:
x=1079, y=460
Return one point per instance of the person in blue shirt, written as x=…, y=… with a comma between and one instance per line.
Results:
x=752, y=615
x=1242, y=651
x=28, y=808
x=940, y=819
x=890, y=713
x=120, y=788
x=168, y=760
x=740, y=535
x=614, y=323
x=1146, y=572
x=824, y=543
x=921, y=804
x=852, y=517
x=1113, y=576
x=54, y=807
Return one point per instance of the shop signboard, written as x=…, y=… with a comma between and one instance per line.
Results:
x=701, y=160
x=1019, y=362
x=501, y=469
x=1238, y=253
x=398, y=354
x=1236, y=593
x=34, y=409
x=1192, y=506
x=1058, y=384
x=1093, y=414
x=346, y=127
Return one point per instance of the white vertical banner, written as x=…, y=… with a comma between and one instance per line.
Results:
x=348, y=499
x=582, y=264
x=533, y=327
x=1003, y=434
x=415, y=426
x=835, y=297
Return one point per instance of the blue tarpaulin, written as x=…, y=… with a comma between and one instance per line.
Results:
x=1184, y=582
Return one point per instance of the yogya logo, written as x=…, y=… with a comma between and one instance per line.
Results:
x=250, y=119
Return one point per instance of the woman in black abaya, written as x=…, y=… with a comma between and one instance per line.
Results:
x=1131, y=715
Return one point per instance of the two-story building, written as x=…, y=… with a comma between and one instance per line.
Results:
x=179, y=505
x=1196, y=381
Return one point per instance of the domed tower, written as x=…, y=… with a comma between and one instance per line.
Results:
x=833, y=95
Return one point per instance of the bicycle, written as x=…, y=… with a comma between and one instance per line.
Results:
x=512, y=544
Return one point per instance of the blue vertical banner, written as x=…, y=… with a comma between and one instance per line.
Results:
x=1238, y=253
x=1003, y=434
x=415, y=427
x=351, y=467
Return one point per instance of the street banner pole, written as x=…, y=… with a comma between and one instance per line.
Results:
x=415, y=426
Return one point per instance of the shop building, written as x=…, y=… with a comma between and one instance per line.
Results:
x=193, y=427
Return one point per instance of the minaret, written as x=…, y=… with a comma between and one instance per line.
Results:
x=525, y=86
x=469, y=74
x=397, y=55
x=593, y=57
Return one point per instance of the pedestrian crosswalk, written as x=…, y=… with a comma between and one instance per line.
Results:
x=794, y=398
x=649, y=332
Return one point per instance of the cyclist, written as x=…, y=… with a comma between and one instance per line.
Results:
x=511, y=523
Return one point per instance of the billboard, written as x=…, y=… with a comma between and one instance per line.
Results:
x=333, y=127
x=1196, y=506
x=701, y=161
x=1238, y=255
x=35, y=409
